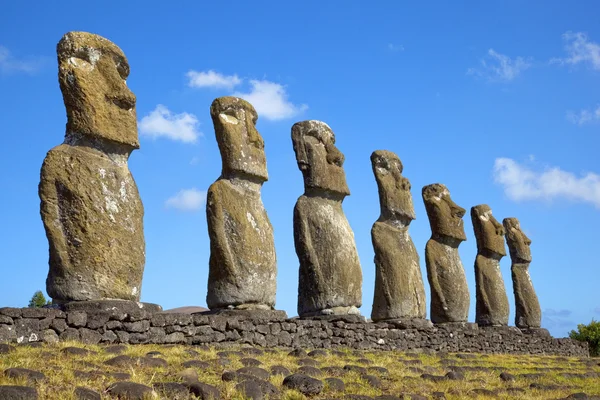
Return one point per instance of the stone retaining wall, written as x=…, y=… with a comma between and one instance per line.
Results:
x=24, y=325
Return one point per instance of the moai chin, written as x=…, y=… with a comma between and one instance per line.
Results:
x=243, y=264
x=445, y=273
x=90, y=205
x=491, y=299
x=330, y=281
x=399, y=290
x=528, y=312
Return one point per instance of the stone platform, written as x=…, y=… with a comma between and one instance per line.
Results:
x=271, y=329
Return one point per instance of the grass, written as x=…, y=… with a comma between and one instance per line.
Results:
x=403, y=375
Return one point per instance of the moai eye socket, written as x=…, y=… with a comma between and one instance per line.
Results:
x=314, y=133
x=122, y=67
x=229, y=116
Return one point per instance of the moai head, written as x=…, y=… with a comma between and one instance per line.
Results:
x=92, y=73
x=394, y=189
x=242, y=148
x=518, y=242
x=445, y=216
x=319, y=160
x=489, y=233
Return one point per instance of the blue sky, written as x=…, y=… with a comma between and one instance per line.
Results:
x=499, y=102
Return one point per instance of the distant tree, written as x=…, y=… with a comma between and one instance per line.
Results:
x=38, y=300
x=588, y=333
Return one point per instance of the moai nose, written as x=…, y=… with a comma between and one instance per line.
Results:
x=334, y=156
x=253, y=135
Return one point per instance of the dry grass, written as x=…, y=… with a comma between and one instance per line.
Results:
x=403, y=376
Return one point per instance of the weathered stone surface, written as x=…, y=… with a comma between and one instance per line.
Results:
x=399, y=290
x=38, y=312
x=304, y=384
x=59, y=325
x=77, y=319
x=330, y=274
x=528, y=311
x=445, y=273
x=8, y=392
x=8, y=333
x=172, y=390
x=411, y=323
x=310, y=371
x=31, y=375
x=491, y=299
x=280, y=370
x=88, y=336
x=350, y=318
x=70, y=334
x=254, y=371
x=250, y=389
x=90, y=204
x=82, y=393
x=117, y=309
x=342, y=331
x=243, y=264
x=5, y=348
x=27, y=329
x=203, y=391
x=245, y=315
x=11, y=312
x=335, y=384
x=77, y=351
x=130, y=391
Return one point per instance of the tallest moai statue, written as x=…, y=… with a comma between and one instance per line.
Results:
x=90, y=205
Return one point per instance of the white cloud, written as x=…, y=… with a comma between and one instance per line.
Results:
x=584, y=116
x=163, y=123
x=270, y=100
x=522, y=183
x=8, y=63
x=580, y=50
x=499, y=67
x=395, y=47
x=187, y=200
x=212, y=79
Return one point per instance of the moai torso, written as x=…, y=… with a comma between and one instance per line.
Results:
x=528, y=313
x=445, y=273
x=330, y=277
x=491, y=300
x=90, y=205
x=243, y=264
x=399, y=291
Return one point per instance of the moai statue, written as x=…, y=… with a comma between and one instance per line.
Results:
x=90, y=205
x=445, y=272
x=330, y=280
x=528, y=311
x=399, y=290
x=242, y=265
x=491, y=300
